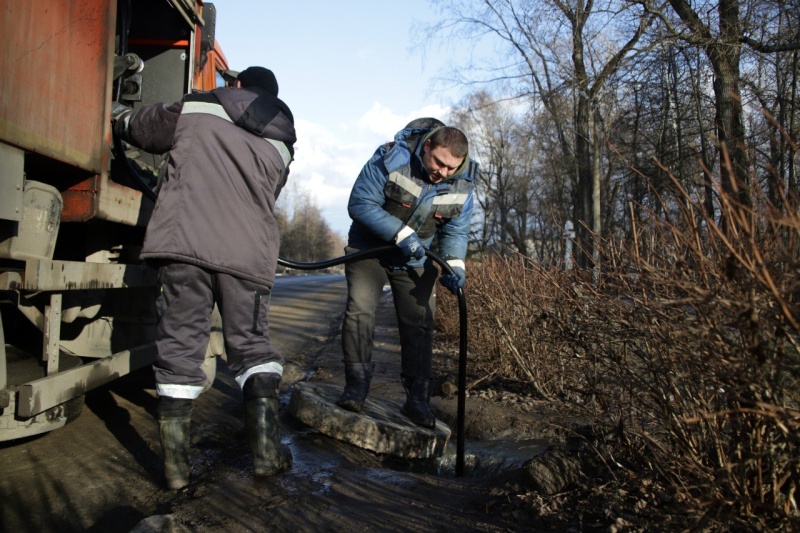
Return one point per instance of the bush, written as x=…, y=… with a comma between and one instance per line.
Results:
x=687, y=343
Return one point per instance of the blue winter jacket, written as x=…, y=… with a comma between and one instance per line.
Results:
x=393, y=190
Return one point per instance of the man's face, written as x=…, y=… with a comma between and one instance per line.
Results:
x=439, y=162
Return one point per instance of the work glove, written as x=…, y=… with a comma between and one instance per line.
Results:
x=407, y=240
x=118, y=111
x=120, y=115
x=456, y=280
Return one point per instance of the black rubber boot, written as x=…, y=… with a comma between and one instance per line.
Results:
x=261, y=424
x=358, y=376
x=174, y=421
x=418, y=395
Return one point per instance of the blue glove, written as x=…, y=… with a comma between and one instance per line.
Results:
x=456, y=280
x=408, y=241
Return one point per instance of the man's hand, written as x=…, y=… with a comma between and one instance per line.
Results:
x=456, y=280
x=408, y=241
x=118, y=111
x=120, y=115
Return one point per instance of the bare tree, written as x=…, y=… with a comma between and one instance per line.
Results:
x=500, y=141
x=305, y=235
x=722, y=30
x=598, y=39
x=773, y=81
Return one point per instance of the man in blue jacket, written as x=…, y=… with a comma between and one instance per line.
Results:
x=413, y=189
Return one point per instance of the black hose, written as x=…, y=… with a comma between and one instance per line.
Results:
x=462, y=314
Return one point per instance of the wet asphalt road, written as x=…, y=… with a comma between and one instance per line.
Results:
x=102, y=471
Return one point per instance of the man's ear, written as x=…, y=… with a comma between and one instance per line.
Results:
x=426, y=146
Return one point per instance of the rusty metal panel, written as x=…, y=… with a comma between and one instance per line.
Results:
x=100, y=197
x=80, y=201
x=123, y=205
x=12, y=168
x=55, y=88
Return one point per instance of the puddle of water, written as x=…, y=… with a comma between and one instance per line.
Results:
x=390, y=477
x=324, y=479
x=309, y=461
x=314, y=460
x=481, y=458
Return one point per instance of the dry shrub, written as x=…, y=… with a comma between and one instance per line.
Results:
x=687, y=344
x=509, y=317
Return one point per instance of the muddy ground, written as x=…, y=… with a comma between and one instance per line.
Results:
x=332, y=486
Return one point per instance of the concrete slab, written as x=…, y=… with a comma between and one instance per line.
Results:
x=380, y=427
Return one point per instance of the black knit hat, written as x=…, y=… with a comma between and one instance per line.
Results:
x=259, y=77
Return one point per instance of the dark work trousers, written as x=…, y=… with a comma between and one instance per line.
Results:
x=414, y=304
x=187, y=298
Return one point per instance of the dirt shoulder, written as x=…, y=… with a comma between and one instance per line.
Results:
x=515, y=445
x=490, y=414
x=550, y=469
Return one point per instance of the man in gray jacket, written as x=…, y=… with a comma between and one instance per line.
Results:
x=214, y=238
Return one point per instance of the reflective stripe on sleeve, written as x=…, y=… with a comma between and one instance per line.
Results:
x=218, y=111
x=286, y=156
x=404, y=232
x=457, y=263
x=205, y=108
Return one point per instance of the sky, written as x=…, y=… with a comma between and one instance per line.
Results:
x=351, y=74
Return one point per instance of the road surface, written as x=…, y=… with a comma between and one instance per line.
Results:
x=103, y=470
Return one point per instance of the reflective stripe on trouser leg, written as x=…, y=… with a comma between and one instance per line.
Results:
x=365, y=281
x=244, y=307
x=267, y=368
x=184, y=309
x=415, y=306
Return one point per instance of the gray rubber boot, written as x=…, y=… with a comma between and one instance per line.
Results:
x=261, y=424
x=418, y=396
x=174, y=421
x=175, y=444
x=358, y=377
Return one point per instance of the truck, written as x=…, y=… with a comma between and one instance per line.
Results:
x=77, y=305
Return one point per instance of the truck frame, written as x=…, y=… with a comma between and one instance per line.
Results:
x=77, y=304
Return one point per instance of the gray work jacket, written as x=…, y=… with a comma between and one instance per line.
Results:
x=229, y=155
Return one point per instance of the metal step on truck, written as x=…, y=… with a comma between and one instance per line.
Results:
x=77, y=304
